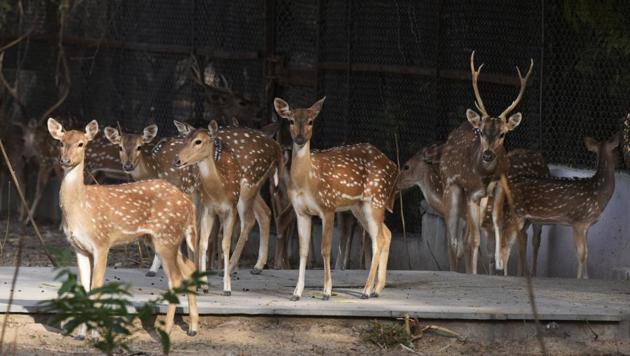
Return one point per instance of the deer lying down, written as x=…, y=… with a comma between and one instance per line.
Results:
x=423, y=170
x=98, y=217
x=578, y=202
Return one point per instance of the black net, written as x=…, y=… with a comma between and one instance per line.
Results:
x=388, y=69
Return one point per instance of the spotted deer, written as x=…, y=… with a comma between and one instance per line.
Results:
x=233, y=164
x=100, y=158
x=246, y=158
x=98, y=217
x=473, y=166
x=358, y=178
x=142, y=160
x=577, y=202
x=423, y=170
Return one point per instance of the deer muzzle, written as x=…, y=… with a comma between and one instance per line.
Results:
x=300, y=140
x=488, y=156
x=128, y=167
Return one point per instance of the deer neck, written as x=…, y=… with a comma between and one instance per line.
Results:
x=301, y=165
x=144, y=170
x=212, y=178
x=604, y=178
x=72, y=188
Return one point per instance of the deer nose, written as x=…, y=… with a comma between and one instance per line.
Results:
x=64, y=161
x=128, y=166
x=177, y=162
x=300, y=140
x=488, y=156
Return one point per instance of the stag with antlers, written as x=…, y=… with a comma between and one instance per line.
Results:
x=473, y=166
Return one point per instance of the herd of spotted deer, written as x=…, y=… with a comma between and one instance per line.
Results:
x=183, y=184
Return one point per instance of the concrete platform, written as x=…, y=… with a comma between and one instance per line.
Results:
x=422, y=294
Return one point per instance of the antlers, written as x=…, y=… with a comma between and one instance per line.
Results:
x=475, y=78
x=479, y=102
x=523, y=81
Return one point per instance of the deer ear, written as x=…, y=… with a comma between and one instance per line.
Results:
x=149, y=133
x=473, y=118
x=112, y=135
x=271, y=129
x=591, y=144
x=91, y=129
x=213, y=128
x=317, y=107
x=235, y=122
x=183, y=128
x=614, y=140
x=514, y=120
x=282, y=108
x=55, y=129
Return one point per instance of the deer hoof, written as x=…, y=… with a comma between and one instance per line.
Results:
x=192, y=333
x=227, y=293
x=295, y=298
x=374, y=295
x=79, y=337
x=364, y=296
x=150, y=274
x=326, y=297
x=256, y=271
x=205, y=290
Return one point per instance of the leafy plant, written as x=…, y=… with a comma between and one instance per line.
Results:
x=63, y=255
x=106, y=310
x=386, y=335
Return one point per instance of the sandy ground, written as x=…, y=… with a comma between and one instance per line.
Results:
x=238, y=335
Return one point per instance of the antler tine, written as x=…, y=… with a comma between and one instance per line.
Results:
x=475, y=77
x=12, y=90
x=523, y=83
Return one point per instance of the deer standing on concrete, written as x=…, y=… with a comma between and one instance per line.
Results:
x=423, y=170
x=233, y=164
x=473, y=166
x=358, y=178
x=98, y=217
x=142, y=160
x=578, y=202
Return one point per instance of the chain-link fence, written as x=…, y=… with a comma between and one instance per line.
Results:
x=386, y=68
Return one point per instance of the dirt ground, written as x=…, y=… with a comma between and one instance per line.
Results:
x=239, y=335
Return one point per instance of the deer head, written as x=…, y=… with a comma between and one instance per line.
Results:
x=300, y=120
x=419, y=165
x=198, y=145
x=73, y=143
x=130, y=145
x=492, y=129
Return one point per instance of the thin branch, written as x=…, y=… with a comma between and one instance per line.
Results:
x=402, y=213
x=25, y=204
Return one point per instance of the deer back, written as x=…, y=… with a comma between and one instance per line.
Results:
x=344, y=174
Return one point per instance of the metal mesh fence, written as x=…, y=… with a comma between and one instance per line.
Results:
x=386, y=68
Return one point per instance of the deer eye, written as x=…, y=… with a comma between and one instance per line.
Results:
x=120, y=148
x=139, y=147
x=502, y=135
x=291, y=122
x=80, y=144
x=310, y=122
x=406, y=167
x=197, y=142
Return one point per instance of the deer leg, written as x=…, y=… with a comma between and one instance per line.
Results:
x=84, y=264
x=205, y=228
x=386, y=236
x=98, y=275
x=246, y=216
x=581, y=247
x=536, y=246
x=187, y=268
x=328, y=219
x=453, y=197
x=155, y=266
x=522, y=251
x=263, y=217
x=304, y=223
x=474, y=235
x=345, y=228
x=497, y=222
x=373, y=227
x=227, y=221
x=174, y=275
